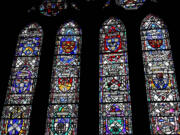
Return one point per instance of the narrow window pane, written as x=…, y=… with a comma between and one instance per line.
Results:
x=62, y=115
x=161, y=86
x=18, y=103
x=114, y=90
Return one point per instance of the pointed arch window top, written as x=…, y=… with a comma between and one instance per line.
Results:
x=30, y=40
x=70, y=29
x=152, y=22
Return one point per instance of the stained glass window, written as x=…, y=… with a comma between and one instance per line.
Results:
x=127, y=4
x=54, y=7
x=114, y=90
x=64, y=96
x=161, y=86
x=18, y=103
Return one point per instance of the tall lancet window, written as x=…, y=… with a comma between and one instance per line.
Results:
x=62, y=115
x=15, y=118
x=161, y=86
x=114, y=90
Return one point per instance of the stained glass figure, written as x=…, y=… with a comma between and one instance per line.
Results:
x=15, y=118
x=127, y=4
x=161, y=86
x=114, y=90
x=64, y=97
